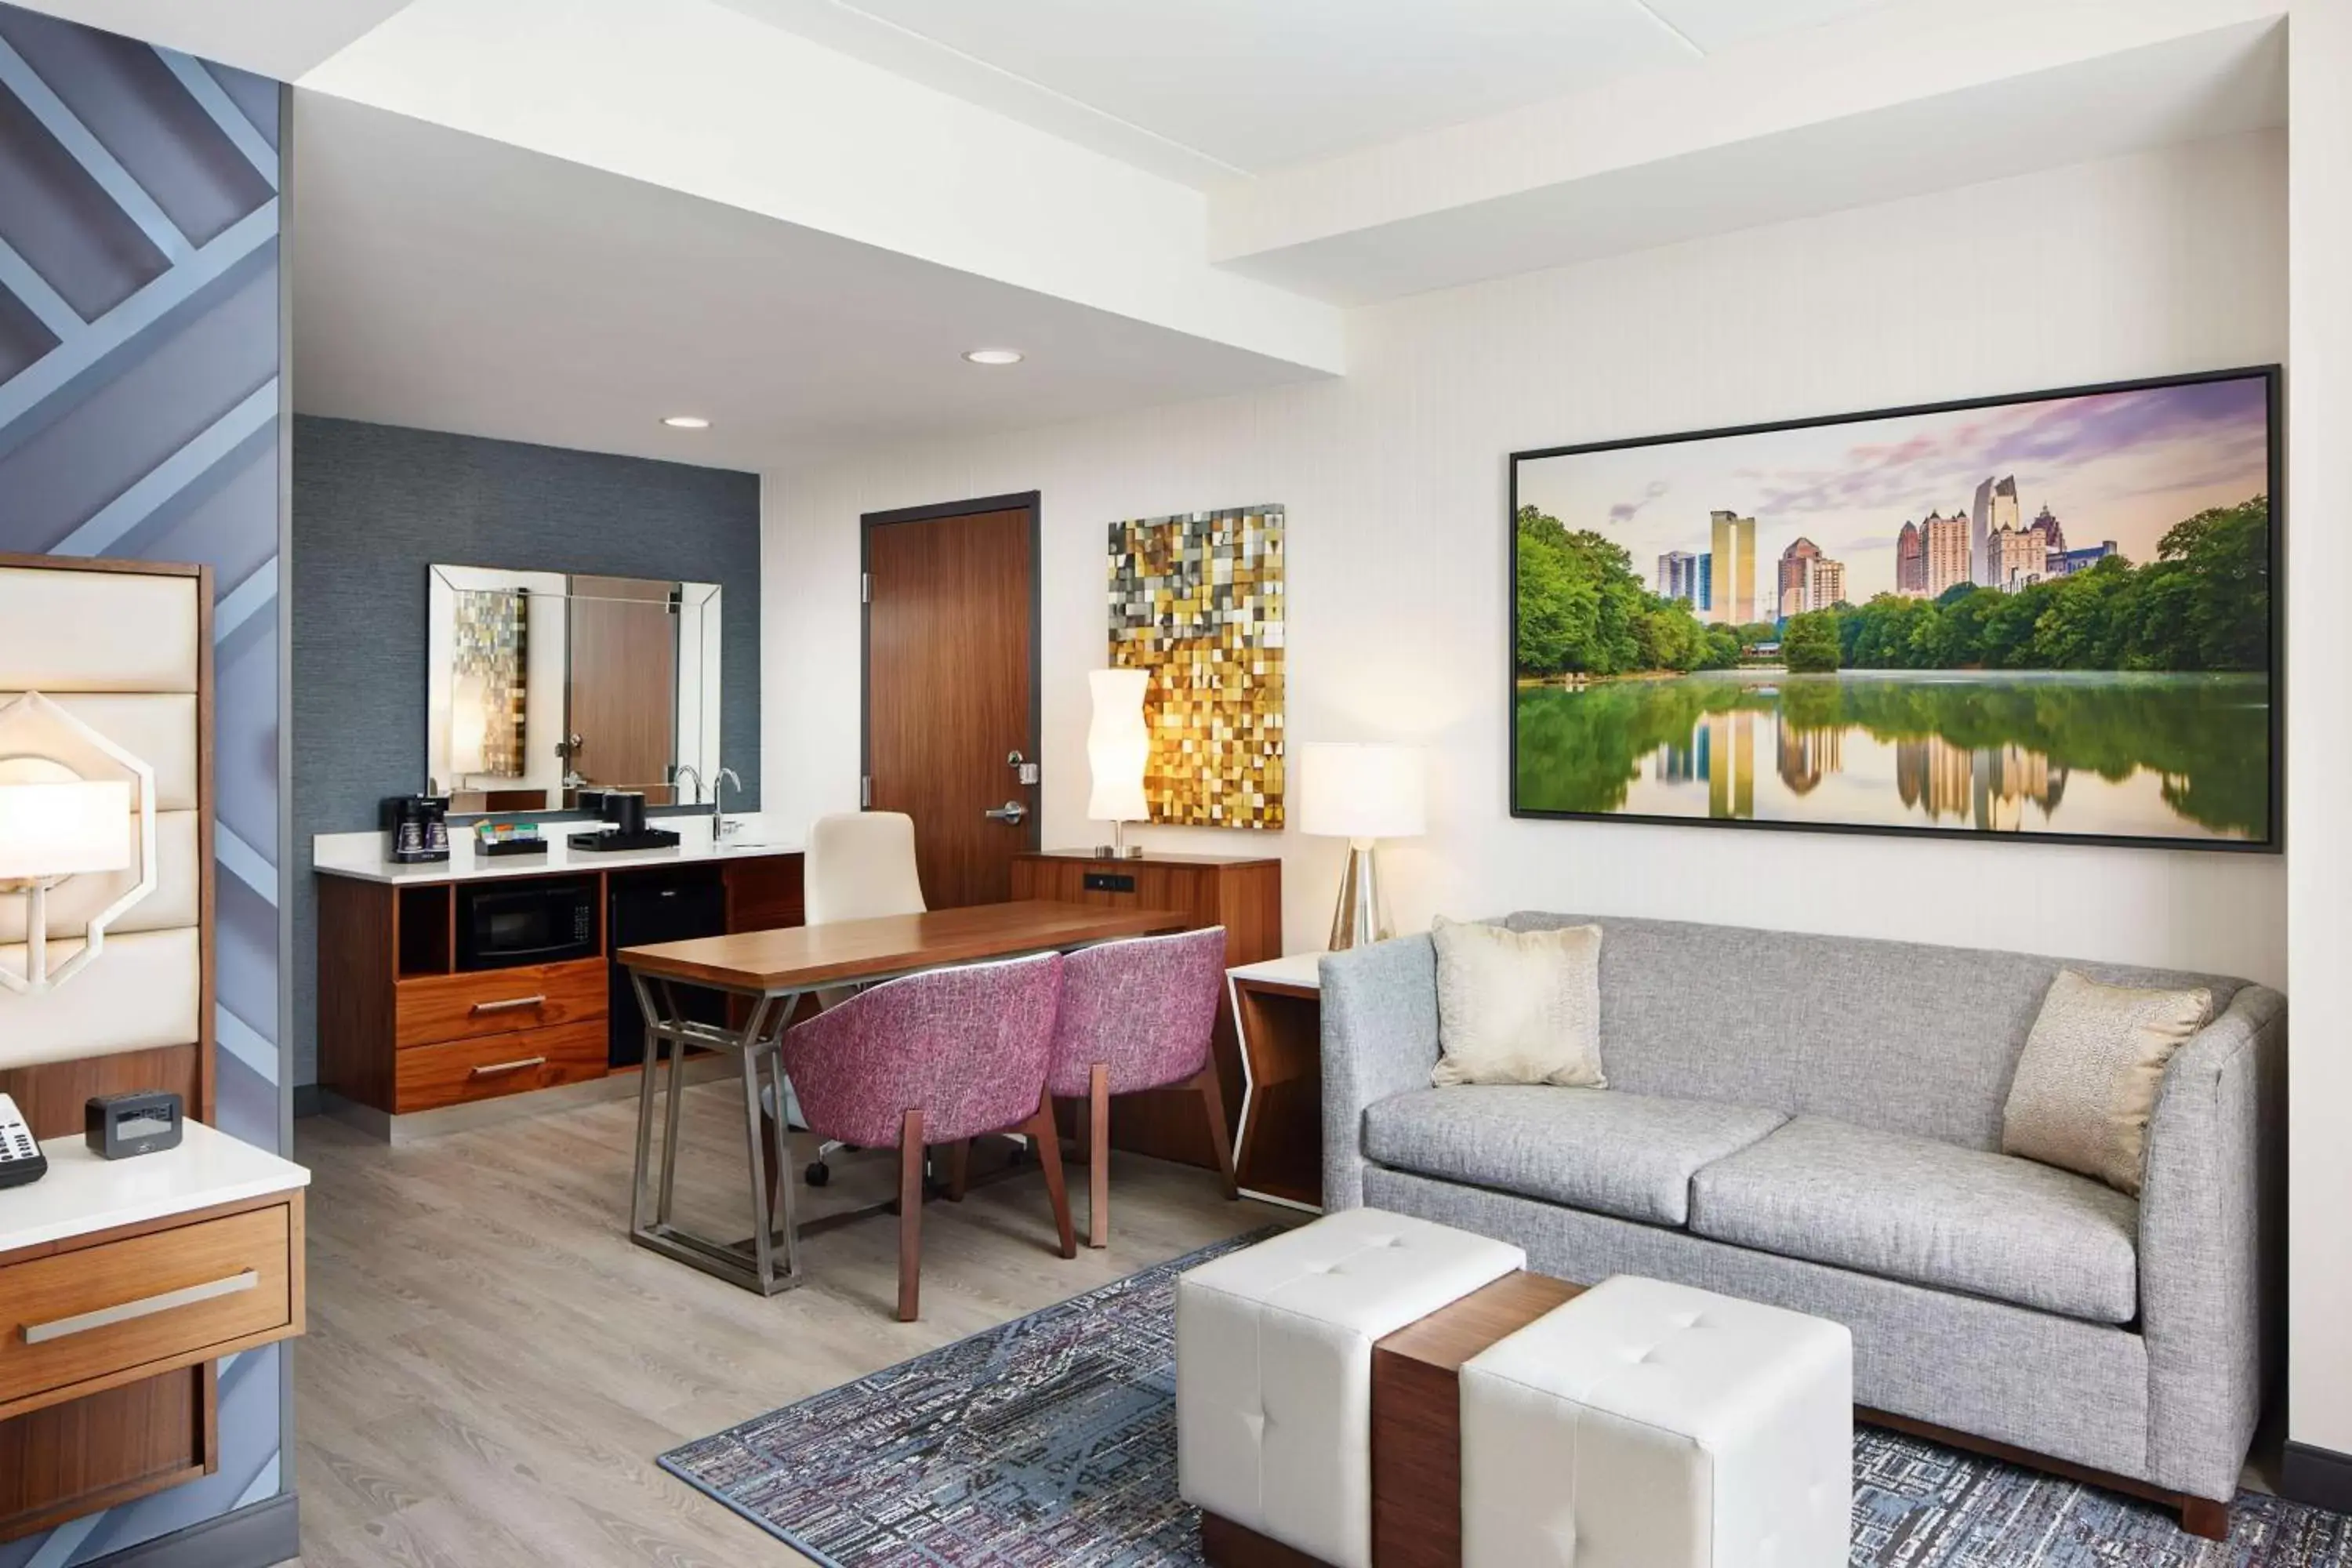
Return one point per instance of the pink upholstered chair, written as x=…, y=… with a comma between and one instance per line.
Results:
x=937, y=1057
x=1136, y=1016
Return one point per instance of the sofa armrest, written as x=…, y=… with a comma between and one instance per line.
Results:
x=1379, y=1038
x=2212, y=1244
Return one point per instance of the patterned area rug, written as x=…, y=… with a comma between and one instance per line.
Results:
x=1051, y=1443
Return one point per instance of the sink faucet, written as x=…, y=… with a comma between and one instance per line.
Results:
x=686, y=771
x=720, y=828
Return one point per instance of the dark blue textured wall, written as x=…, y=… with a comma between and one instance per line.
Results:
x=375, y=506
x=139, y=353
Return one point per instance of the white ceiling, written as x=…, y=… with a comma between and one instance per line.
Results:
x=278, y=39
x=1208, y=90
x=450, y=282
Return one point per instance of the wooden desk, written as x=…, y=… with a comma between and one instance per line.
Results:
x=773, y=970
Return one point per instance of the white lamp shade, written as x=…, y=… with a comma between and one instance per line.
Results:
x=1343, y=790
x=64, y=828
x=1118, y=746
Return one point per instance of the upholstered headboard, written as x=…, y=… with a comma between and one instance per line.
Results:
x=124, y=648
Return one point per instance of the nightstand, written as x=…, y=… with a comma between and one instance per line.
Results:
x=124, y=1281
x=1279, y=1011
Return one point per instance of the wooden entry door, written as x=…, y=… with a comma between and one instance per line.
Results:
x=951, y=688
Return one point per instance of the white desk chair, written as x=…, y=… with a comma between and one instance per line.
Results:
x=858, y=866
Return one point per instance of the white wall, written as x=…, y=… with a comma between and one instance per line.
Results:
x=1395, y=482
x=2319, y=407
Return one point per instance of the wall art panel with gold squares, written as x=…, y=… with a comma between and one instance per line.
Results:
x=1196, y=601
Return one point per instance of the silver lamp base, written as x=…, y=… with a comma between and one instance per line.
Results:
x=1362, y=915
x=1118, y=849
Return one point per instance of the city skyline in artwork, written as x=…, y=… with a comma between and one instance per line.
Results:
x=2048, y=615
x=2108, y=468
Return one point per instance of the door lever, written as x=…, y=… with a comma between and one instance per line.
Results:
x=1012, y=811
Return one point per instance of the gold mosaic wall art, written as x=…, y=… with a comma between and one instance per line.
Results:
x=491, y=635
x=1196, y=601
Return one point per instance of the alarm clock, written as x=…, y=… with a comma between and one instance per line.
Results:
x=118, y=1126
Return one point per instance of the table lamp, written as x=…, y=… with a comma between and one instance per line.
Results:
x=1361, y=793
x=55, y=824
x=1117, y=748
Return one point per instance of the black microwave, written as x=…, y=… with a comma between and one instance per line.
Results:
x=505, y=924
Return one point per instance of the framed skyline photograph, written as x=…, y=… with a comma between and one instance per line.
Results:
x=2047, y=616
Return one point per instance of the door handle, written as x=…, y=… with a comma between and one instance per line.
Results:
x=1012, y=811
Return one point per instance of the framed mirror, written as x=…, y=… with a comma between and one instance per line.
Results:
x=542, y=684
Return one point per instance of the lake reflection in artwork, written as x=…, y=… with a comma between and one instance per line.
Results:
x=2155, y=755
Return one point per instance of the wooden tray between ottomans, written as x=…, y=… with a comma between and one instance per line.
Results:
x=1416, y=1433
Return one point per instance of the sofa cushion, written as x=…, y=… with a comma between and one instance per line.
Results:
x=1631, y=1155
x=1928, y=1212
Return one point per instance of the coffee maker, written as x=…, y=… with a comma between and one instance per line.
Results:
x=419, y=826
x=623, y=811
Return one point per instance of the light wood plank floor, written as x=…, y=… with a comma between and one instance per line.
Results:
x=491, y=1367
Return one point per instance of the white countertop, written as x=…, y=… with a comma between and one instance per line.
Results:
x=1291, y=969
x=361, y=855
x=83, y=1193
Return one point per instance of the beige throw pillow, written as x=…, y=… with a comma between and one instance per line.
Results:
x=1518, y=1007
x=2088, y=1080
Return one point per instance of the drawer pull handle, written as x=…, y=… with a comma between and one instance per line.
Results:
x=494, y=1069
x=145, y=1307
x=511, y=1004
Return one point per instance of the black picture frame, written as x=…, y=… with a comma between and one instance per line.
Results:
x=2272, y=843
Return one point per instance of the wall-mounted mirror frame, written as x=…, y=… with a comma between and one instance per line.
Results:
x=539, y=684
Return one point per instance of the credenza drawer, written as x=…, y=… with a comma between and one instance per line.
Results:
x=458, y=1071
x=145, y=1303
x=436, y=1007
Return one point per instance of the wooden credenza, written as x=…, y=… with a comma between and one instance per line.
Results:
x=404, y=1030
x=1241, y=893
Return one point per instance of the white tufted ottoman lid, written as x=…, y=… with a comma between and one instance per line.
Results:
x=1274, y=1351
x=1645, y=1425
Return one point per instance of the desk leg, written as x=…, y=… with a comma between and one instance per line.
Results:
x=763, y=1236
x=752, y=1263
x=639, y=1220
x=674, y=1084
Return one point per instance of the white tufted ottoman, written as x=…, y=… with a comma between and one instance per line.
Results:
x=1651, y=1425
x=1274, y=1353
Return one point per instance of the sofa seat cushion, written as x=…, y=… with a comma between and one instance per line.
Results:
x=1631, y=1155
x=1930, y=1213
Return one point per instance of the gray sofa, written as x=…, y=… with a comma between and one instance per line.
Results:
x=1814, y=1121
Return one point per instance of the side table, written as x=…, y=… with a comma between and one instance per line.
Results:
x=1279, y=1012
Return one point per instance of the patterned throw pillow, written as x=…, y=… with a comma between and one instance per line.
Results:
x=2088, y=1082
x=1518, y=1007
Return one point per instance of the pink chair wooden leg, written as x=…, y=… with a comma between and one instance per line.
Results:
x=1040, y=1129
x=1212, y=1100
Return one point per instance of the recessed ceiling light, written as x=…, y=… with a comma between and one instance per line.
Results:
x=686, y=422
x=993, y=356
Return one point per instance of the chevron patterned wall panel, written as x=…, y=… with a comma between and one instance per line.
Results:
x=140, y=375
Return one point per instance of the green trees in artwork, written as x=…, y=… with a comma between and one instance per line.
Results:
x=1810, y=646
x=1583, y=611
x=2204, y=603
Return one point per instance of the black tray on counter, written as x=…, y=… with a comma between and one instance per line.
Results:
x=617, y=843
